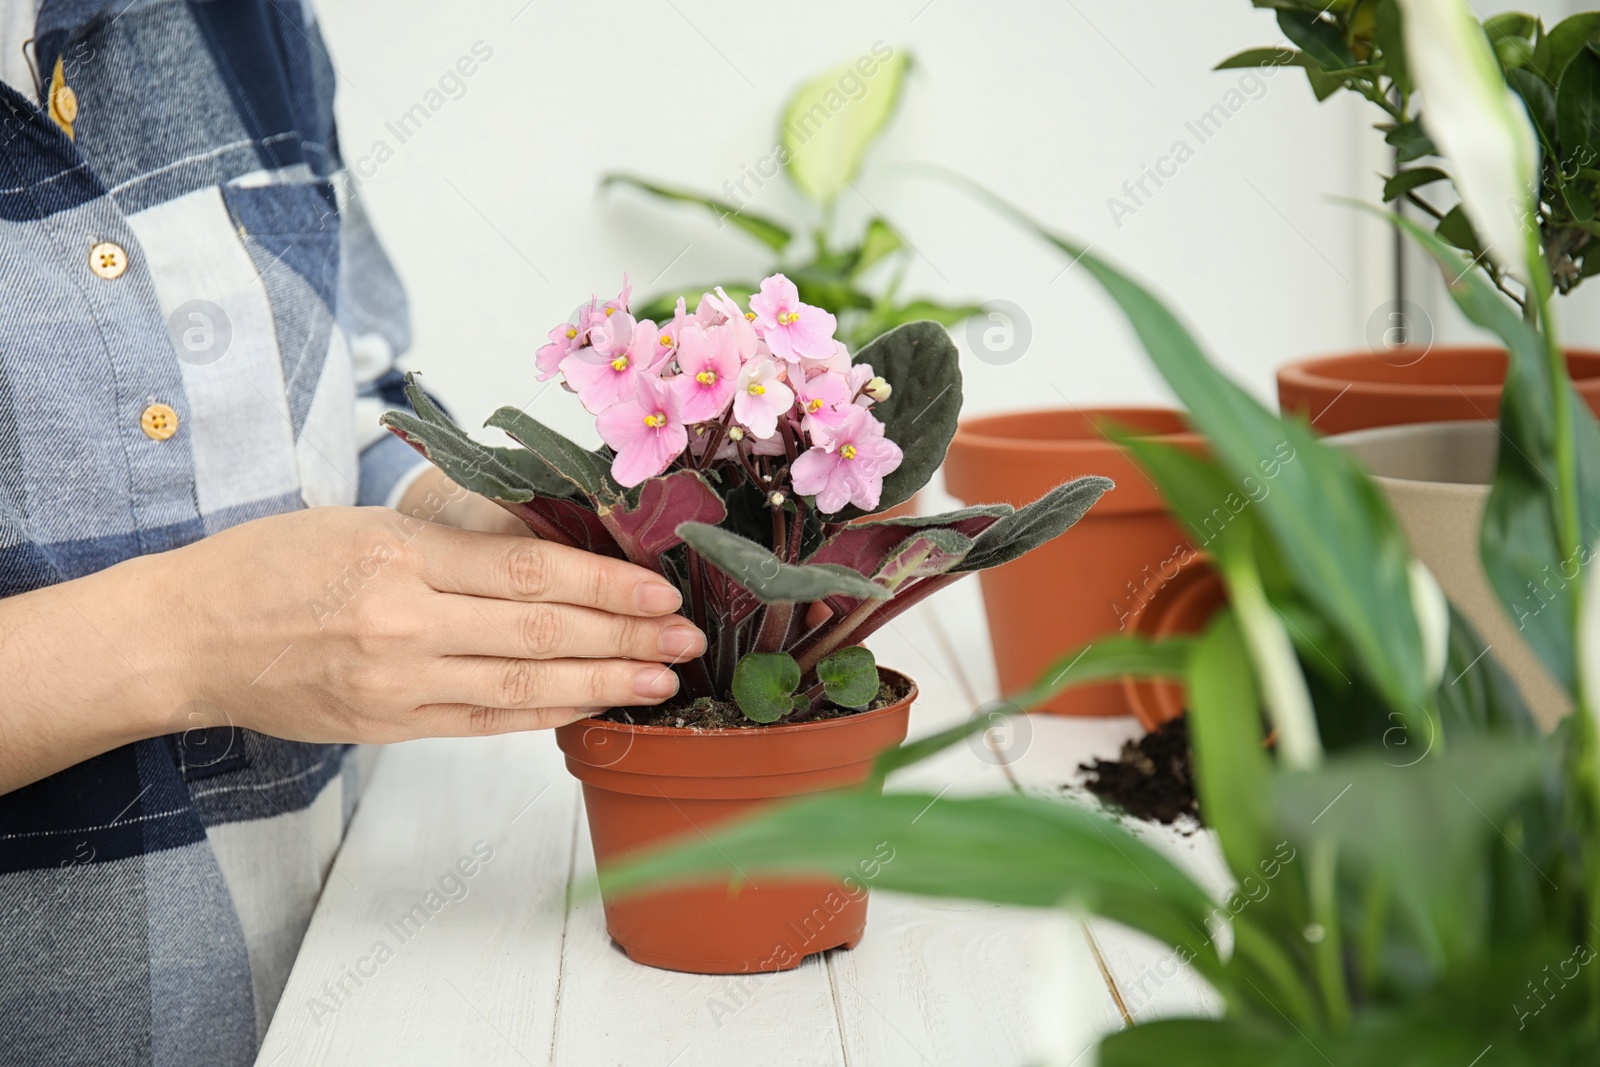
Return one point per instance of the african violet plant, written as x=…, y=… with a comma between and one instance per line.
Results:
x=739, y=446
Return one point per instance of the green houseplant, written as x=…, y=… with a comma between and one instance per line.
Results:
x=825, y=131
x=1441, y=912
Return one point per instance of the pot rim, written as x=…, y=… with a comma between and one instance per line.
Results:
x=759, y=731
x=971, y=432
x=1316, y=373
x=1403, y=430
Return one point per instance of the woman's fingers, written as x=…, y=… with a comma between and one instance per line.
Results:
x=528, y=570
x=481, y=626
x=494, y=682
x=475, y=720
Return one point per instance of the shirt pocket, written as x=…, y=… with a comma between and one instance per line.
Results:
x=291, y=231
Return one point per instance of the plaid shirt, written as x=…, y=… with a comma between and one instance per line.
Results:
x=197, y=328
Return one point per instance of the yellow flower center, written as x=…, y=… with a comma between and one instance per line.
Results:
x=655, y=421
x=815, y=405
x=756, y=389
x=848, y=451
x=750, y=315
x=571, y=333
x=620, y=363
x=666, y=342
x=609, y=311
x=706, y=377
x=788, y=318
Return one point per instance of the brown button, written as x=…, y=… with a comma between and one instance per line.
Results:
x=64, y=104
x=108, y=260
x=158, y=422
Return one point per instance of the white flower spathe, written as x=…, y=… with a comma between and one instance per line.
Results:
x=1479, y=125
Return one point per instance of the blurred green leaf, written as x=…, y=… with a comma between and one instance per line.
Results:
x=1233, y=773
x=1519, y=538
x=1318, y=37
x=1410, y=142
x=1007, y=849
x=1456, y=229
x=764, y=685
x=1407, y=180
x=1331, y=524
x=827, y=129
x=1423, y=824
x=1389, y=34
x=1578, y=108
x=1123, y=656
x=880, y=240
x=1251, y=58
x=1540, y=100
x=1517, y=24
x=774, y=235
x=1563, y=43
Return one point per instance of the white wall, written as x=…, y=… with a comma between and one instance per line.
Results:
x=492, y=215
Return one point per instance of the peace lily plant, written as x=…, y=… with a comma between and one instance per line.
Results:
x=1443, y=904
x=739, y=445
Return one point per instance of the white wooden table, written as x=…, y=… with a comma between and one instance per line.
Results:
x=504, y=967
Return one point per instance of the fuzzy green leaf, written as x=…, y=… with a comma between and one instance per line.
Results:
x=849, y=677
x=764, y=685
x=771, y=580
x=774, y=235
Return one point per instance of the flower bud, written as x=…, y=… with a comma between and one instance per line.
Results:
x=775, y=498
x=878, y=389
x=735, y=433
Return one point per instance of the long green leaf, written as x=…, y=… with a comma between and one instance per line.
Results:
x=585, y=471
x=772, y=234
x=1330, y=522
x=1008, y=849
x=831, y=121
x=1520, y=541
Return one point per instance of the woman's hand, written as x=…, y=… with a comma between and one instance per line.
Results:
x=331, y=624
x=359, y=624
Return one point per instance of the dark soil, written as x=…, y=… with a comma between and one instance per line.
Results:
x=1153, y=779
x=708, y=713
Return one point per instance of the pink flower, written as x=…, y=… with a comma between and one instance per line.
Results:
x=610, y=331
x=839, y=361
x=848, y=467
x=565, y=339
x=708, y=368
x=645, y=429
x=761, y=396
x=824, y=401
x=602, y=378
x=791, y=329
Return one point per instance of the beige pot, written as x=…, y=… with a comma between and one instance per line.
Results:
x=1437, y=477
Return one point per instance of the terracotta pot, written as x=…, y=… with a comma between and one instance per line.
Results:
x=1443, y=384
x=1097, y=577
x=1182, y=604
x=647, y=785
x=1437, y=477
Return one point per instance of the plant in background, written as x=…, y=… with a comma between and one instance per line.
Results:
x=1362, y=46
x=1444, y=902
x=739, y=444
x=824, y=133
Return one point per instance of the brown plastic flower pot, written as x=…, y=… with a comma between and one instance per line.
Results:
x=645, y=786
x=1441, y=384
x=1182, y=604
x=1096, y=578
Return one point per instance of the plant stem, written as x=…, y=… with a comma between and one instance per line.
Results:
x=1327, y=954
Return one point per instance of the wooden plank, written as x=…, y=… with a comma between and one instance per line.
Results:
x=408, y=958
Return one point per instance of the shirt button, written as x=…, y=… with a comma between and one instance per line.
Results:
x=158, y=422
x=108, y=260
x=64, y=105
